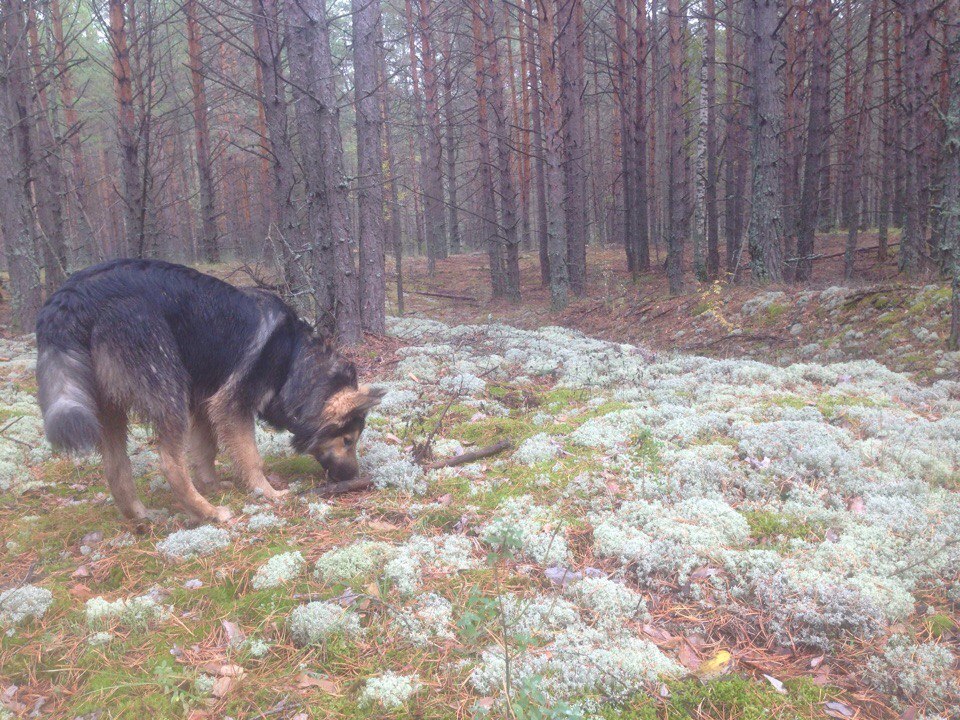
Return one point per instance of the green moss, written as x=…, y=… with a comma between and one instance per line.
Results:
x=727, y=697
x=939, y=624
x=774, y=312
x=295, y=466
x=791, y=401
x=768, y=525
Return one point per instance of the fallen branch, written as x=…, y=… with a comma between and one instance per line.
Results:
x=471, y=456
x=340, y=488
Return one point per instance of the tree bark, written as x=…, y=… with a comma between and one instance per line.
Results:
x=17, y=219
x=333, y=274
x=918, y=57
x=508, y=194
x=710, y=186
x=818, y=130
x=570, y=47
x=432, y=185
x=538, y=149
x=130, y=171
x=450, y=138
x=765, y=234
x=677, y=191
x=372, y=235
x=553, y=154
x=858, y=160
x=209, y=242
x=490, y=238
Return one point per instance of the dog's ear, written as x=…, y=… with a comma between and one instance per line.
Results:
x=368, y=398
x=351, y=403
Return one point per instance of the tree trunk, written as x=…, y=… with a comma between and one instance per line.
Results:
x=818, y=130
x=677, y=190
x=490, y=238
x=951, y=185
x=887, y=145
x=130, y=172
x=17, y=220
x=538, y=150
x=765, y=234
x=641, y=220
x=710, y=186
x=47, y=173
x=508, y=194
x=918, y=57
x=294, y=259
x=451, y=139
x=396, y=234
x=332, y=270
x=209, y=247
x=366, y=34
x=87, y=245
x=621, y=94
x=570, y=47
x=432, y=186
x=858, y=160
x=553, y=154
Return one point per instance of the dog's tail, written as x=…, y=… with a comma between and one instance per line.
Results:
x=68, y=398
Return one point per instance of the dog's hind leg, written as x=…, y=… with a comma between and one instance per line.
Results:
x=116, y=463
x=203, y=452
x=173, y=461
x=237, y=433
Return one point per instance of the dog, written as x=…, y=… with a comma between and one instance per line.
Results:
x=199, y=360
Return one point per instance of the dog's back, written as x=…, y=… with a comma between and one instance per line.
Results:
x=152, y=337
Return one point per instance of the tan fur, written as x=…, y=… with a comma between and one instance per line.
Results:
x=342, y=447
x=173, y=462
x=116, y=464
x=343, y=404
x=237, y=433
x=203, y=452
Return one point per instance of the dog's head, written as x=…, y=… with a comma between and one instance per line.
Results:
x=334, y=442
x=326, y=409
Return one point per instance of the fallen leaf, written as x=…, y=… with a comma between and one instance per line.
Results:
x=716, y=666
x=486, y=703
x=777, y=685
x=235, y=635
x=381, y=525
x=373, y=589
x=445, y=500
x=223, y=669
x=909, y=714
x=688, y=656
x=222, y=686
x=857, y=506
x=838, y=709
x=81, y=572
x=81, y=591
x=815, y=662
x=660, y=636
x=305, y=681
x=703, y=573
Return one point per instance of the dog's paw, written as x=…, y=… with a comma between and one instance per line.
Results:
x=271, y=493
x=221, y=514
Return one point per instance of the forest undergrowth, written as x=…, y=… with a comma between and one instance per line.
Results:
x=669, y=535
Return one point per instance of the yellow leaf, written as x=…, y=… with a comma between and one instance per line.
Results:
x=716, y=666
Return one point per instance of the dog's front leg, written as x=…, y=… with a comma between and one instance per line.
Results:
x=237, y=435
x=173, y=461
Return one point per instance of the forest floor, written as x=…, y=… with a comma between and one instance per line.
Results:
x=901, y=324
x=767, y=532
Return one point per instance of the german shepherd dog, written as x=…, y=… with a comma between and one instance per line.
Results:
x=199, y=360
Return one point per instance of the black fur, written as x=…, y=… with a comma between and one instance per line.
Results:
x=161, y=339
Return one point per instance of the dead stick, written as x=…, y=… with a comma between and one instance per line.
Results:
x=339, y=488
x=469, y=457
